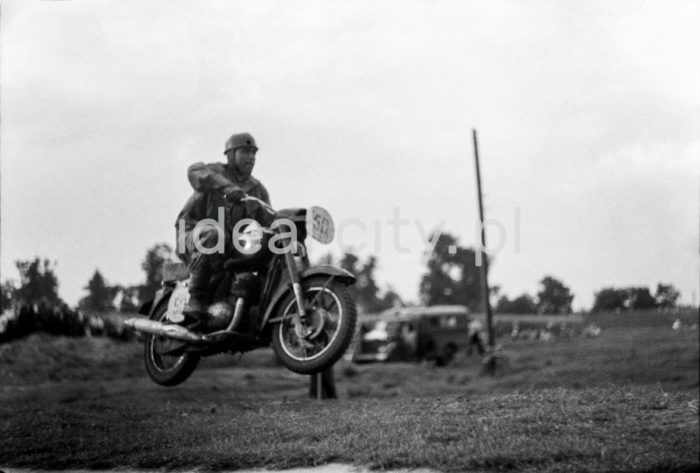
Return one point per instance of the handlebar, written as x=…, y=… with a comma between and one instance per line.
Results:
x=264, y=204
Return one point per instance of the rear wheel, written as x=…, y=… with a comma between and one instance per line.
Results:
x=327, y=329
x=163, y=368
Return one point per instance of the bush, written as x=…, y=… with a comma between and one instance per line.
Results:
x=645, y=318
x=537, y=326
x=27, y=319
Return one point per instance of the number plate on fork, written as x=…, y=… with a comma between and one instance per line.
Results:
x=321, y=224
x=177, y=302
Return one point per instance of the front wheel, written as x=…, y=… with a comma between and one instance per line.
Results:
x=163, y=368
x=325, y=332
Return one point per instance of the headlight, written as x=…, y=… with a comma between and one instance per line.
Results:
x=250, y=238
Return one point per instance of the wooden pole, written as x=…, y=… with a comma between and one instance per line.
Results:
x=322, y=385
x=484, y=258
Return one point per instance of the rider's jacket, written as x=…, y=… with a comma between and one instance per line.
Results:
x=210, y=182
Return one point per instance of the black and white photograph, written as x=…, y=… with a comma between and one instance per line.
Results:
x=416, y=236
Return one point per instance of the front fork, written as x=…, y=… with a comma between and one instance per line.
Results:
x=298, y=294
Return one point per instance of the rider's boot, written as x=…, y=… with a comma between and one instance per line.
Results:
x=195, y=311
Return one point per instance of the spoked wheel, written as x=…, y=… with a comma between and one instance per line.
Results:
x=164, y=364
x=325, y=331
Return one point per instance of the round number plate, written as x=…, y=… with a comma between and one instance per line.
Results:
x=321, y=225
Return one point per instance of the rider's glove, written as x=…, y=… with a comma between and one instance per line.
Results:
x=234, y=196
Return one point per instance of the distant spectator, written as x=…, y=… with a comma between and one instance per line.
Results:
x=475, y=339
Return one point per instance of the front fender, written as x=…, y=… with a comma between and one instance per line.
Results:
x=340, y=274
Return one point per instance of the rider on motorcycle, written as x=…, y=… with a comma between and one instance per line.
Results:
x=216, y=185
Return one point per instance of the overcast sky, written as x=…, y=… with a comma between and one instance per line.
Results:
x=588, y=116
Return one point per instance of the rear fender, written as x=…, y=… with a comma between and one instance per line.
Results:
x=338, y=274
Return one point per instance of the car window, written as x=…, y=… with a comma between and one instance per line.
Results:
x=393, y=327
x=447, y=321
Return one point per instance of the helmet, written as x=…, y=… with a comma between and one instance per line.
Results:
x=240, y=140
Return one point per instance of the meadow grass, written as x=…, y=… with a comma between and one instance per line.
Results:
x=624, y=401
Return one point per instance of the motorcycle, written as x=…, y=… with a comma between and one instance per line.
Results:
x=271, y=296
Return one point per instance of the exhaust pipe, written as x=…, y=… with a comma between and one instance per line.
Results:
x=165, y=330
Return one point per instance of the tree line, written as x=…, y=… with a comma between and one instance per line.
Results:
x=38, y=286
x=102, y=297
x=451, y=277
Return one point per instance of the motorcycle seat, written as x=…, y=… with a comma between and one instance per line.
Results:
x=175, y=271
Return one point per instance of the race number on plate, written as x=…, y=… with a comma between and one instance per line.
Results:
x=177, y=302
x=321, y=225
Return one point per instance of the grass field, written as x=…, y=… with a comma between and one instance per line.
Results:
x=624, y=401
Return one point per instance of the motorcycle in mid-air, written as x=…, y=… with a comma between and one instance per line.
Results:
x=262, y=297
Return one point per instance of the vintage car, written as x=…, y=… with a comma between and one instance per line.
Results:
x=434, y=333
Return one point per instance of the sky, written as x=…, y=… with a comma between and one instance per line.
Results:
x=587, y=116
